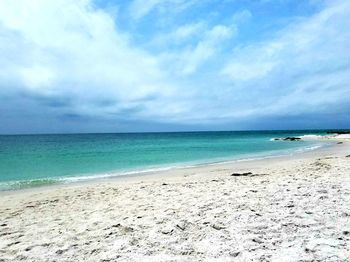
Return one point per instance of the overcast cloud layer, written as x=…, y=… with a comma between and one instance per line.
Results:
x=155, y=65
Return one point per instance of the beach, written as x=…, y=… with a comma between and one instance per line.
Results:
x=290, y=208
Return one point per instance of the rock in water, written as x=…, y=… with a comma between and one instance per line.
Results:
x=288, y=138
x=291, y=138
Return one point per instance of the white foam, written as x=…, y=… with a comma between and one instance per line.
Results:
x=312, y=137
x=342, y=136
x=308, y=148
x=114, y=174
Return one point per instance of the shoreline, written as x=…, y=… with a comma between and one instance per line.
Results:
x=283, y=209
x=178, y=172
x=159, y=170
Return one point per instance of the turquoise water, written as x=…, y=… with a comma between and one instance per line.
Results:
x=33, y=160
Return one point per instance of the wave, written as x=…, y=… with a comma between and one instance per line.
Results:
x=31, y=183
x=311, y=137
x=310, y=148
x=21, y=184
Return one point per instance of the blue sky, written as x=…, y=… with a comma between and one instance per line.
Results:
x=173, y=65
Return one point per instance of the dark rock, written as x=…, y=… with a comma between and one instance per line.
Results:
x=339, y=143
x=288, y=138
x=3, y=225
x=164, y=184
x=346, y=232
x=242, y=174
x=291, y=138
x=348, y=156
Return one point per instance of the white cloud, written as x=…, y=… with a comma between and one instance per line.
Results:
x=205, y=48
x=304, y=68
x=247, y=71
x=187, y=60
x=241, y=16
x=69, y=49
x=141, y=8
x=36, y=76
x=180, y=35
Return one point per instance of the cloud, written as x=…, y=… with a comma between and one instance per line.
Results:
x=186, y=48
x=69, y=49
x=179, y=36
x=205, y=48
x=303, y=68
x=66, y=60
x=140, y=8
x=242, y=16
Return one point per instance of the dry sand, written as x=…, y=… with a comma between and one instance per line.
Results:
x=293, y=208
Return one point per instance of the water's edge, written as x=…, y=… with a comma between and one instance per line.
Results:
x=44, y=182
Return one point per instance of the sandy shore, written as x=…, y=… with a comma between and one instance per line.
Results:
x=293, y=208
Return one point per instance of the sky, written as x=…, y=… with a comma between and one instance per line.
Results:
x=69, y=66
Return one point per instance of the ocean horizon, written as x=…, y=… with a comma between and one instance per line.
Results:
x=37, y=160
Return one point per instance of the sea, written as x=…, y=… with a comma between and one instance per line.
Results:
x=38, y=160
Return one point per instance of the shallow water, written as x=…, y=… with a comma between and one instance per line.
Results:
x=34, y=160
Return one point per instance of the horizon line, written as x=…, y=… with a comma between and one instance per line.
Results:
x=191, y=131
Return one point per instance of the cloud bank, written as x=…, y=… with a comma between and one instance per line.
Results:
x=73, y=66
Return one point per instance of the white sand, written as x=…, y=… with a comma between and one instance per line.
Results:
x=291, y=209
